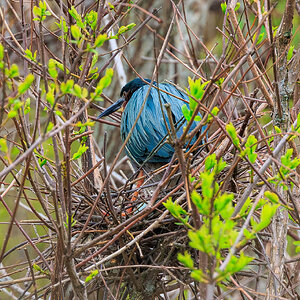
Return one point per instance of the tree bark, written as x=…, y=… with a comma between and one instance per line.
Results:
x=281, y=119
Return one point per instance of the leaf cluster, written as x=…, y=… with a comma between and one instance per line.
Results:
x=219, y=230
x=196, y=91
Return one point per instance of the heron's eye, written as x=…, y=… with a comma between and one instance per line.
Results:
x=127, y=95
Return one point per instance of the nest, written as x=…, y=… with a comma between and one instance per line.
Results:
x=134, y=245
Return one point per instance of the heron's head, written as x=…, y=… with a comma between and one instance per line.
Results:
x=126, y=93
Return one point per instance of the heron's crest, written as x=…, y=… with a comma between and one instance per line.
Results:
x=134, y=85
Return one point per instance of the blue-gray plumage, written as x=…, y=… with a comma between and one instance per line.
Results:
x=150, y=129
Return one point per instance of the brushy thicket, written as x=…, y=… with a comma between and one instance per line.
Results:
x=220, y=221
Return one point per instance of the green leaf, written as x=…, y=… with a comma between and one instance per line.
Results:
x=245, y=208
x=203, y=205
x=41, y=11
x=82, y=149
x=73, y=12
x=237, y=6
x=52, y=68
x=77, y=90
x=62, y=25
x=123, y=29
x=186, y=260
x=91, y=276
x=50, y=126
x=290, y=53
x=274, y=29
x=297, y=244
x=272, y=197
x=109, y=72
x=254, y=224
x=12, y=114
x=130, y=26
x=192, y=85
x=94, y=61
x=1, y=52
x=207, y=184
x=231, y=130
x=204, y=84
x=197, y=275
x=105, y=81
x=196, y=90
x=251, y=146
x=201, y=240
x=101, y=38
x=13, y=71
x=42, y=162
x=88, y=123
x=37, y=12
x=294, y=163
x=259, y=39
x=287, y=161
x=17, y=104
x=61, y=67
x=251, y=142
x=72, y=221
x=298, y=122
x=237, y=264
x=76, y=32
x=186, y=112
x=92, y=18
x=67, y=87
x=50, y=97
x=215, y=111
x=233, y=134
x=277, y=129
x=223, y=7
x=175, y=209
x=266, y=215
x=191, y=178
x=221, y=166
x=193, y=104
x=220, y=81
x=210, y=162
x=223, y=205
x=37, y=267
x=58, y=113
x=248, y=235
x=3, y=145
x=84, y=93
x=27, y=106
x=23, y=87
x=81, y=130
x=110, y=6
x=31, y=56
x=43, y=5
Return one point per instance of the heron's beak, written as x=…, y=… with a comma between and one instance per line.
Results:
x=114, y=107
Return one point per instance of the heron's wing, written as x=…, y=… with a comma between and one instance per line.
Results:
x=151, y=128
x=176, y=107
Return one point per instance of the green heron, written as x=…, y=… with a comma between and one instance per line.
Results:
x=147, y=144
